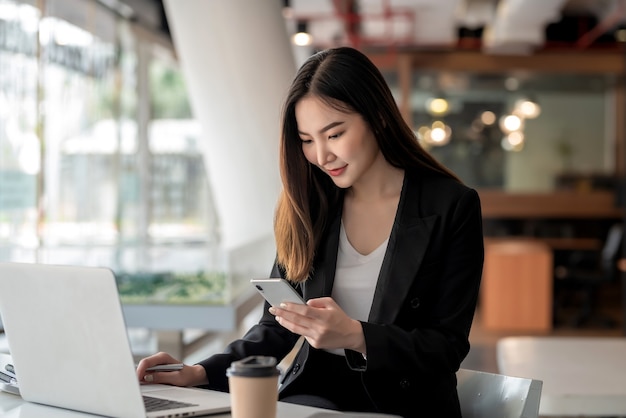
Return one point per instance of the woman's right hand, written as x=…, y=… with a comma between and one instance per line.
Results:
x=187, y=376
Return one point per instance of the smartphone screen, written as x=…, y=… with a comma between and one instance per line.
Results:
x=277, y=291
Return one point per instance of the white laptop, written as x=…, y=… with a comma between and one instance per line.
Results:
x=67, y=337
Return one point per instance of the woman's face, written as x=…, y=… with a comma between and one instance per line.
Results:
x=341, y=144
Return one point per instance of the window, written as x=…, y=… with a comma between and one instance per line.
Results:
x=100, y=159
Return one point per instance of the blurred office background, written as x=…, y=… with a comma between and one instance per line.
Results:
x=142, y=135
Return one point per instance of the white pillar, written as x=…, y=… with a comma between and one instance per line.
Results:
x=238, y=63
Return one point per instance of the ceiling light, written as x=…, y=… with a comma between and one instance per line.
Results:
x=302, y=37
x=437, y=106
x=440, y=133
x=510, y=123
x=515, y=138
x=488, y=117
x=513, y=142
x=527, y=108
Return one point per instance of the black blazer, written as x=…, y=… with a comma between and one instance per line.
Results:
x=418, y=327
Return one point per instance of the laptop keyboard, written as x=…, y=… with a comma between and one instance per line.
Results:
x=158, y=404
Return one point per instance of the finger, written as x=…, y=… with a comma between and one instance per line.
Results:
x=325, y=302
x=295, y=327
x=168, y=378
x=303, y=316
x=153, y=360
x=298, y=308
x=290, y=310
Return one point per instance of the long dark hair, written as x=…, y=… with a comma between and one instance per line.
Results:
x=347, y=80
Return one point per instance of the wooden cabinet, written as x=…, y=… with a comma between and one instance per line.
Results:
x=524, y=234
x=516, y=290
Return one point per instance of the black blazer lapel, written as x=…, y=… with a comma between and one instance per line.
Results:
x=407, y=245
x=321, y=284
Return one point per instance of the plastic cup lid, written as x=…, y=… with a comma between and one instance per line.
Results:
x=254, y=366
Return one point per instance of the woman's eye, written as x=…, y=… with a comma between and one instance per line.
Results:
x=335, y=136
x=305, y=141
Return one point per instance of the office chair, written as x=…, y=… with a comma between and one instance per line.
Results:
x=583, y=274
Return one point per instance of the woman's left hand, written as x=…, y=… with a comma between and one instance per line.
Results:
x=323, y=323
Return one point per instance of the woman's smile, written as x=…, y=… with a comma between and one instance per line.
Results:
x=337, y=171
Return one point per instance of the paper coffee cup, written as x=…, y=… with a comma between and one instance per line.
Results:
x=253, y=384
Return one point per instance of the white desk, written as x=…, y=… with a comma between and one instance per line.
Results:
x=12, y=406
x=583, y=376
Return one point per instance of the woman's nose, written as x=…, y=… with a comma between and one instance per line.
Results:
x=324, y=155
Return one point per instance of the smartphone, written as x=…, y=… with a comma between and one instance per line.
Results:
x=165, y=367
x=276, y=291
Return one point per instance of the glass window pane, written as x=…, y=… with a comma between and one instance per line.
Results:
x=19, y=141
x=82, y=135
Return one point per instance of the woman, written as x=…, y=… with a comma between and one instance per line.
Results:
x=383, y=242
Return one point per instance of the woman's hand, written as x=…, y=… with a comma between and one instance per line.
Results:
x=323, y=323
x=187, y=376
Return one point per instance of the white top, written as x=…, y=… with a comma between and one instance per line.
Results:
x=355, y=279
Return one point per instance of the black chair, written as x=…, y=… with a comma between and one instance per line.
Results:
x=581, y=277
